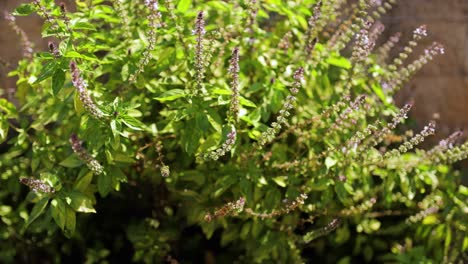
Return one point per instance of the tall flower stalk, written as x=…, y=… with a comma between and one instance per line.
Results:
x=445, y=144
x=311, y=34
x=284, y=113
x=225, y=147
x=233, y=114
x=314, y=234
x=286, y=209
x=285, y=41
x=85, y=98
x=385, y=49
x=229, y=209
x=399, y=77
x=27, y=45
x=408, y=145
x=199, y=32
x=379, y=135
x=154, y=22
x=252, y=19
x=91, y=162
x=122, y=9
x=53, y=49
x=163, y=168
x=418, y=34
x=37, y=185
x=365, y=43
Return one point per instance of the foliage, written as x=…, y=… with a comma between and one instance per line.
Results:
x=227, y=131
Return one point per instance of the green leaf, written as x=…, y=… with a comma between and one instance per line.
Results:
x=58, y=79
x=8, y=108
x=339, y=62
x=221, y=91
x=74, y=54
x=280, y=180
x=117, y=177
x=64, y=216
x=51, y=179
x=272, y=198
x=320, y=185
x=4, y=126
x=24, y=10
x=79, y=108
x=246, y=102
x=245, y=230
x=202, y=122
x=84, y=25
x=171, y=95
x=71, y=161
x=37, y=210
x=190, y=138
x=46, y=72
x=214, y=120
x=80, y=202
x=104, y=184
x=57, y=208
x=184, y=5
x=208, y=229
x=330, y=162
x=379, y=92
x=83, y=182
x=229, y=235
x=218, y=5
x=132, y=122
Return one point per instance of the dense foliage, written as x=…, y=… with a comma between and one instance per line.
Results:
x=222, y=131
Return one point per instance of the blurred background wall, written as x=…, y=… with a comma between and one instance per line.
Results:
x=10, y=48
x=440, y=90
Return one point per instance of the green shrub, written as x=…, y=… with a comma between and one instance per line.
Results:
x=222, y=131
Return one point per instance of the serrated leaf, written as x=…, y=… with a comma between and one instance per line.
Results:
x=37, y=210
x=339, y=62
x=132, y=122
x=64, y=216
x=184, y=5
x=221, y=91
x=4, y=127
x=330, y=162
x=57, y=209
x=51, y=179
x=104, y=184
x=24, y=10
x=8, y=108
x=83, y=182
x=80, y=202
x=71, y=161
x=117, y=177
x=58, y=79
x=79, y=107
x=280, y=180
x=171, y=95
x=245, y=230
x=84, y=25
x=246, y=102
x=74, y=54
x=46, y=72
x=272, y=198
